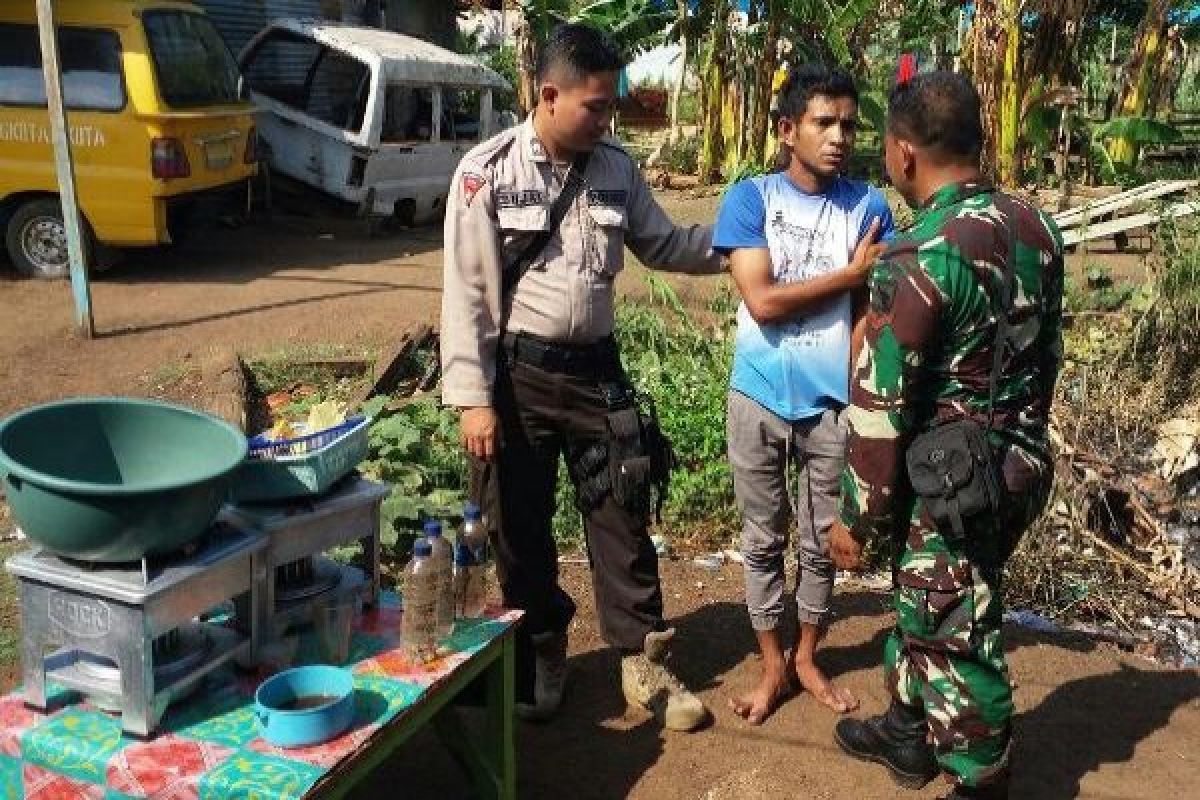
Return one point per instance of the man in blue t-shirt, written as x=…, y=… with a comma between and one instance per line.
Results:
x=801, y=243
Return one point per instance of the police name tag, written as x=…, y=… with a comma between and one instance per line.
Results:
x=520, y=199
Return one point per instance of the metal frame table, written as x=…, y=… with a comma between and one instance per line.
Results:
x=492, y=764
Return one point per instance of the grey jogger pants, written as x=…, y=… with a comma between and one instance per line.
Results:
x=762, y=448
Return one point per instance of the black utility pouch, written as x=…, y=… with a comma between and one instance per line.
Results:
x=953, y=470
x=629, y=466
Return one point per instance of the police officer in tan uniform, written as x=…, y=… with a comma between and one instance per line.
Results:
x=534, y=368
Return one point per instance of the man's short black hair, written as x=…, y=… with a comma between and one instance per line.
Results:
x=580, y=50
x=807, y=80
x=938, y=111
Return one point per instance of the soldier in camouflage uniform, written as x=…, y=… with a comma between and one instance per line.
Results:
x=927, y=360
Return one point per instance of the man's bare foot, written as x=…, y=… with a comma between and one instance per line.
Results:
x=822, y=689
x=758, y=704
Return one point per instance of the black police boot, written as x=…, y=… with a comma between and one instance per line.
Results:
x=895, y=739
x=993, y=791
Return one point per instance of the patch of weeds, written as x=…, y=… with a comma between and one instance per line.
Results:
x=169, y=374
x=684, y=365
x=295, y=379
x=10, y=628
x=296, y=364
x=1099, y=291
x=682, y=156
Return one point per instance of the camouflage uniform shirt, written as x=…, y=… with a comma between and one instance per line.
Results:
x=928, y=355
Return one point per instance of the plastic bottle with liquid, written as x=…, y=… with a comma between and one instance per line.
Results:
x=443, y=567
x=418, y=624
x=470, y=584
x=471, y=565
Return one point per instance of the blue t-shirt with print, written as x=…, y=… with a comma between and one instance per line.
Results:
x=800, y=366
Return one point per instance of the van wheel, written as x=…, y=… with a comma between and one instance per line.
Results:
x=37, y=241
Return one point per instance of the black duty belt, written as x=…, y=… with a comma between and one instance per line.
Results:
x=596, y=359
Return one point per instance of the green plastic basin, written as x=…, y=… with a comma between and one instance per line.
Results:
x=115, y=479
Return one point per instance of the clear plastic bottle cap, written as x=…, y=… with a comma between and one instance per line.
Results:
x=472, y=513
x=433, y=527
x=422, y=548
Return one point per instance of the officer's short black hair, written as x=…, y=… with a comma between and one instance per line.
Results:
x=939, y=111
x=807, y=80
x=578, y=50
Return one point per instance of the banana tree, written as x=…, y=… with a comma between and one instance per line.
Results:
x=712, y=145
x=538, y=18
x=636, y=25
x=995, y=66
x=1137, y=132
x=681, y=32
x=1140, y=73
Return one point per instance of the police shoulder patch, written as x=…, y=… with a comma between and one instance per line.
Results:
x=472, y=182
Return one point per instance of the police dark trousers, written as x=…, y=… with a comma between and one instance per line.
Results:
x=550, y=401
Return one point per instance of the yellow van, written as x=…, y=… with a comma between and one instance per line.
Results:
x=154, y=119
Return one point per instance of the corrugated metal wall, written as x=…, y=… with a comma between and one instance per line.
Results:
x=239, y=20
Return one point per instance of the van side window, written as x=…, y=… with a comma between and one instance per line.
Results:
x=302, y=73
x=460, y=114
x=408, y=114
x=91, y=64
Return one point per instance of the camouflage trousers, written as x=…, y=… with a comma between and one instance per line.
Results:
x=946, y=656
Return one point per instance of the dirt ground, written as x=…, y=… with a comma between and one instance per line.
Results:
x=1093, y=722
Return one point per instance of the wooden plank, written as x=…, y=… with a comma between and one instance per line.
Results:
x=223, y=375
x=1123, y=224
x=65, y=169
x=1151, y=191
x=388, y=370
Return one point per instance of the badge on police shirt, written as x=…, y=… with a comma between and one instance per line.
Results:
x=471, y=183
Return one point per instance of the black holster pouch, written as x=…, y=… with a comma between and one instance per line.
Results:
x=953, y=470
x=634, y=464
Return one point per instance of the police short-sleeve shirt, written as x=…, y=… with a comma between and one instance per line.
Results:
x=798, y=367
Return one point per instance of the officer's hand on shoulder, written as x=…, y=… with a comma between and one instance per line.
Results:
x=479, y=426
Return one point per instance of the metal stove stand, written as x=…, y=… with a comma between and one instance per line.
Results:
x=299, y=533
x=126, y=635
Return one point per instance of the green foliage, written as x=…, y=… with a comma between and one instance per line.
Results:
x=1099, y=291
x=681, y=363
x=745, y=169
x=416, y=449
x=1170, y=331
x=1137, y=131
x=504, y=61
x=872, y=106
x=684, y=365
x=636, y=25
x=683, y=156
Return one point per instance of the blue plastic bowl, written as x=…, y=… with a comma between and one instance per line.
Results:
x=288, y=727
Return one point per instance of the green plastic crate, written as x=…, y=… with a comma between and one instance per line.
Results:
x=306, y=475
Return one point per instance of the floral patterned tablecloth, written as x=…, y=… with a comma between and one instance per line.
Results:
x=208, y=747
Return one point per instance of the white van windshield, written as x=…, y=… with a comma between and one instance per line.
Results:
x=194, y=66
